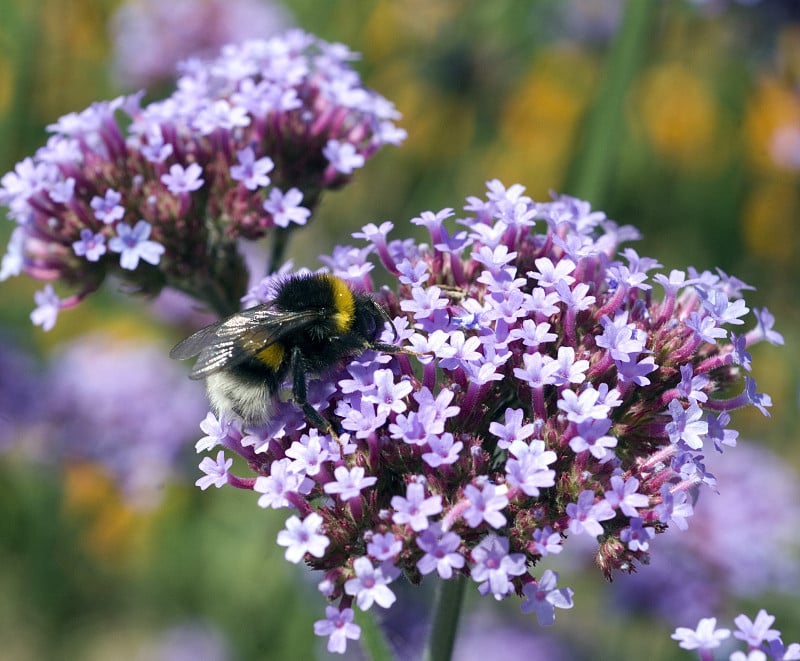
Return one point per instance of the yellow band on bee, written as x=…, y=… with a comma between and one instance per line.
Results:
x=272, y=356
x=344, y=303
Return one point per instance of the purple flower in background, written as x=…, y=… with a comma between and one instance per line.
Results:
x=150, y=37
x=102, y=405
x=715, y=566
x=231, y=154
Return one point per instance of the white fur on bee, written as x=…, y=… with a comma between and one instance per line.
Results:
x=250, y=401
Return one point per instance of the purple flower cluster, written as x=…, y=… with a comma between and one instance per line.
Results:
x=150, y=37
x=103, y=402
x=159, y=195
x=762, y=641
x=553, y=395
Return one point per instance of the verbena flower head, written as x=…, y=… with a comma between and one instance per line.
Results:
x=561, y=390
x=104, y=403
x=159, y=195
x=150, y=37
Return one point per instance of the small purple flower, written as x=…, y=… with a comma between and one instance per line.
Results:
x=765, y=323
x=183, y=180
x=388, y=395
x=216, y=471
x=592, y=436
x=512, y=429
x=384, y=547
x=568, y=370
x=343, y=156
x=675, y=507
x=285, y=207
x=441, y=552
x=586, y=515
x=107, y=209
x=485, y=504
x=252, y=172
x=686, y=424
x=624, y=496
x=543, y=597
x=133, y=244
x=755, y=632
x=48, y=305
x=494, y=566
x=349, y=483
x=92, y=246
x=338, y=625
x=280, y=485
x=528, y=469
x=546, y=541
x=218, y=431
x=444, y=450
x=301, y=537
x=637, y=536
x=705, y=637
x=415, y=509
x=370, y=585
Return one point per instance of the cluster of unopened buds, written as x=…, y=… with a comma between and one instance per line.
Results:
x=160, y=194
x=553, y=394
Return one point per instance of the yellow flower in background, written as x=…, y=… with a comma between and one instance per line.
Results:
x=539, y=122
x=680, y=117
x=113, y=530
x=772, y=122
x=771, y=212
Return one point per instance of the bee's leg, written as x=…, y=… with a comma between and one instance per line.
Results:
x=393, y=349
x=299, y=394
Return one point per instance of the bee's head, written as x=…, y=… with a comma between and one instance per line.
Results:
x=370, y=318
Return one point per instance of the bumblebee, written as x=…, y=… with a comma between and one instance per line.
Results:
x=313, y=322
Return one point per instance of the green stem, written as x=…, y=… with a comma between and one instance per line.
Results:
x=596, y=158
x=446, y=614
x=373, y=642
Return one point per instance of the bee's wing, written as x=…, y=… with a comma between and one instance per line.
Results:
x=195, y=343
x=239, y=337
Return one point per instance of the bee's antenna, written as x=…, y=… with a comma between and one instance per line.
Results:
x=385, y=315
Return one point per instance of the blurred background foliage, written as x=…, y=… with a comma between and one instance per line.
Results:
x=700, y=150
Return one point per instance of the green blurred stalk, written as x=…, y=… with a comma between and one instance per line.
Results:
x=373, y=642
x=446, y=614
x=598, y=152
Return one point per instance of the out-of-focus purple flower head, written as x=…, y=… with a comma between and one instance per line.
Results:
x=187, y=641
x=160, y=195
x=21, y=387
x=122, y=405
x=741, y=542
x=555, y=393
x=150, y=37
